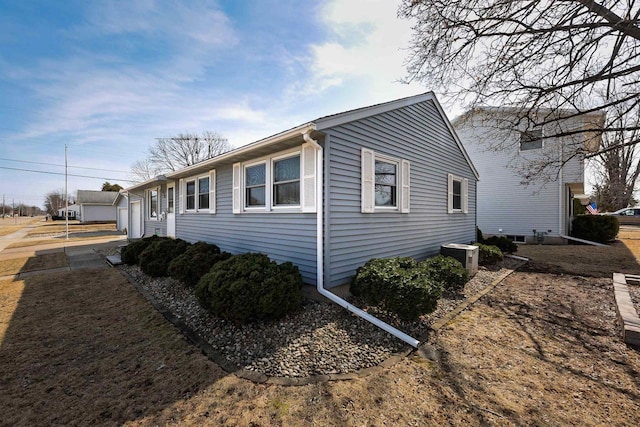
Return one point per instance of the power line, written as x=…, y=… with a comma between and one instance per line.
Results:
x=54, y=164
x=60, y=173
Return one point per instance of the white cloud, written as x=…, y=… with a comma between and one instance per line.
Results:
x=367, y=44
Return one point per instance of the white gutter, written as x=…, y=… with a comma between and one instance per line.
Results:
x=320, y=255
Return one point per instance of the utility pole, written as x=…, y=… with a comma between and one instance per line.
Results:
x=66, y=191
x=13, y=210
x=3, y=207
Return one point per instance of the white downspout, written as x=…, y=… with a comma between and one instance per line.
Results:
x=320, y=255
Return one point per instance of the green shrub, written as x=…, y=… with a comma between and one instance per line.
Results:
x=399, y=285
x=195, y=262
x=155, y=259
x=130, y=254
x=505, y=244
x=250, y=286
x=596, y=228
x=489, y=254
x=448, y=271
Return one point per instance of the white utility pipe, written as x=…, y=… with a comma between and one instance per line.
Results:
x=320, y=255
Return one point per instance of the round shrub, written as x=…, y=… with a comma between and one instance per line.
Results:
x=250, y=286
x=489, y=254
x=130, y=254
x=155, y=259
x=399, y=285
x=505, y=244
x=448, y=271
x=195, y=262
x=596, y=228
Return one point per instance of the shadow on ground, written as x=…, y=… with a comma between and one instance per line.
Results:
x=84, y=348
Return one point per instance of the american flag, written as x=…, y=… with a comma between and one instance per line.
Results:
x=591, y=207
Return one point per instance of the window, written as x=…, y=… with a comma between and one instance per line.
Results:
x=191, y=195
x=170, y=199
x=286, y=182
x=385, y=183
x=153, y=204
x=197, y=194
x=203, y=193
x=255, y=185
x=458, y=189
x=531, y=140
x=517, y=239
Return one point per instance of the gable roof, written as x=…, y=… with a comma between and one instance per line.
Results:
x=90, y=197
x=293, y=136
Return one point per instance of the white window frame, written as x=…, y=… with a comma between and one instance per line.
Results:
x=171, y=209
x=397, y=163
x=464, y=194
x=148, y=204
x=368, y=184
x=307, y=180
x=211, y=175
x=273, y=180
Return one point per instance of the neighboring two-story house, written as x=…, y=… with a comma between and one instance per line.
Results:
x=540, y=211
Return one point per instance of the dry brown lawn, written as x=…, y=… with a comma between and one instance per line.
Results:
x=36, y=242
x=541, y=349
x=9, y=225
x=33, y=263
x=57, y=227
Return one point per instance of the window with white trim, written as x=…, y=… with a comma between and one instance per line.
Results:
x=170, y=199
x=458, y=190
x=286, y=181
x=385, y=183
x=283, y=182
x=197, y=193
x=255, y=178
x=152, y=206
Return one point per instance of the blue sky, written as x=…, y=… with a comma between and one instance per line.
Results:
x=107, y=77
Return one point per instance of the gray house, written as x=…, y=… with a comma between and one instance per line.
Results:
x=97, y=206
x=386, y=180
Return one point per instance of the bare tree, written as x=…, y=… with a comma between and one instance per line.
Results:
x=534, y=56
x=618, y=169
x=144, y=170
x=55, y=200
x=183, y=150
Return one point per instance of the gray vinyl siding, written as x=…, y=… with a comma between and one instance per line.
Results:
x=416, y=133
x=156, y=226
x=282, y=236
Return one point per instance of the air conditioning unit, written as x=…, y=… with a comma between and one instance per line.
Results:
x=466, y=254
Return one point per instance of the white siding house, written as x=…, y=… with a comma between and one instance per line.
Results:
x=97, y=206
x=542, y=210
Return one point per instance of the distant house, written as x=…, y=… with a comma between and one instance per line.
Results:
x=98, y=206
x=539, y=212
x=73, y=212
x=382, y=181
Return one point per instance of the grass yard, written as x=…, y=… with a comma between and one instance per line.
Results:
x=57, y=227
x=33, y=263
x=10, y=225
x=541, y=349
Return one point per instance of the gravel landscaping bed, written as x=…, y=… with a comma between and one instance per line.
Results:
x=321, y=339
x=634, y=291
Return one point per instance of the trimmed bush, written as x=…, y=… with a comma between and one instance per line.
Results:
x=195, y=262
x=489, y=254
x=250, y=287
x=155, y=259
x=130, y=254
x=596, y=228
x=448, y=271
x=479, y=236
x=399, y=285
x=505, y=244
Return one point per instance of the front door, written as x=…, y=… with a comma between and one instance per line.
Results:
x=135, y=231
x=171, y=211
